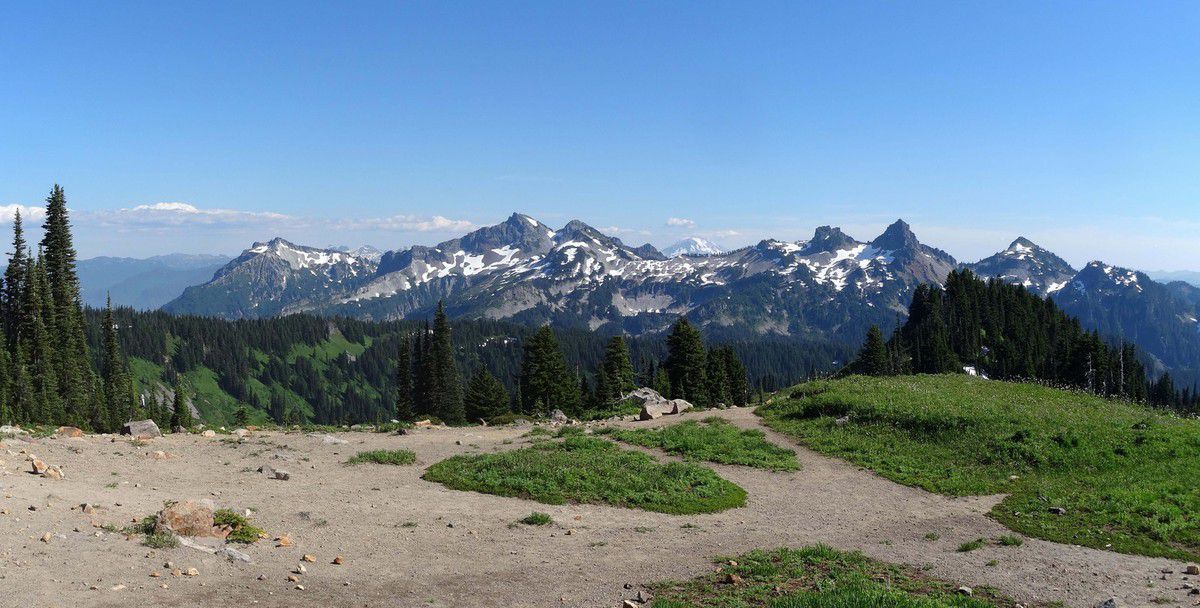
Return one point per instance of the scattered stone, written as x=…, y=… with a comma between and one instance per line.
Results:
x=70, y=432
x=964, y=590
x=292, y=578
x=38, y=466
x=300, y=569
x=310, y=558
x=299, y=587
x=155, y=574
x=558, y=417
x=118, y=587
x=209, y=433
x=733, y=579
x=193, y=572
x=337, y=561
x=141, y=429
x=233, y=555
x=843, y=421
x=423, y=424
x=46, y=537
x=54, y=472
x=272, y=473
x=1111, y=602
x=161, y=455
x=1192, y=569
x=187, y=518
x=241, y=432
x=283, y=541
x=1058, y=511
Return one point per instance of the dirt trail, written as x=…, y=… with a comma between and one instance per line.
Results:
x=407, y=542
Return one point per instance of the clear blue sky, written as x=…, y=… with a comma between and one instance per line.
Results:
x=1076, y=124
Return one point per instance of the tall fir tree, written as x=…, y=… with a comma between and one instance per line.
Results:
x=617, y=371
x=546, y=382
x=485, y=397
x=14, y=283
x=65, y=323
x=873, y=358
x=181, y=416
x=445, y=387
x=404, y=380
x=686, y=363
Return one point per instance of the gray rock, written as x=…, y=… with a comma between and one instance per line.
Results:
x=233, y=555
x=1058, y=511
x=141, y=429
x=272, y=473
x=1111, y=602
x=558, y=417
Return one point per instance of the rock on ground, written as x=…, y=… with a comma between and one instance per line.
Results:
x=141, y=429
x=187, y=518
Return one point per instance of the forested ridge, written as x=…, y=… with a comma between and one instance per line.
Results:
x=1005, y=332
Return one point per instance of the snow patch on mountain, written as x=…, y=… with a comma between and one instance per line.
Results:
x=693, y=245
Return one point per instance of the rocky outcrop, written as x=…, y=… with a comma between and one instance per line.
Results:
x=141, y=429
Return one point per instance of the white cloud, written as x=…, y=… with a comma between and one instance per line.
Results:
x=411, y=223
x=680, y=222
x=177, y=214
x=617, y=230
x=8, y=212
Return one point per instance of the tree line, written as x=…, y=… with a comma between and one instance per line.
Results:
x=1007, y=333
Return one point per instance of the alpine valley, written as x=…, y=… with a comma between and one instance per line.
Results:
x=830, y=287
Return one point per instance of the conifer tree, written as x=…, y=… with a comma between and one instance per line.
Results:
x=618, y=370
x=735, y=374
x=717, y=379
x=181, y=416
x=445, y=396
x=404, y=381
x=14, y=283
x=686, y=362
x=485, y=397
x=65, y=321
x=872, y=359
x=546, y=382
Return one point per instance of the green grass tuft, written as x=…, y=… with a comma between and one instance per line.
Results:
x=817, y=577
x=537, y=518
x=1008, y=540
x=396, y=457
x=243, y=531
x=590, y=470
x=1119, y=471
x=714, y=440
x=971, y=545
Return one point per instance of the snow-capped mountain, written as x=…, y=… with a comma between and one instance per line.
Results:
x=831, y=286
x=1025, y=263
x=523, y=270
x=276, y=277
x=367, y=252
x=693, y=245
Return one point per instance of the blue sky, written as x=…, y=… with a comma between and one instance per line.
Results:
x=202, y=127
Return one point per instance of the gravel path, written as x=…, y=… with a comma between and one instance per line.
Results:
x=407, y=542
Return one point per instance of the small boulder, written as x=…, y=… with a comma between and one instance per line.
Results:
x=1058, y=511
x=54, y=472
x=241, y=432
x=71, y=432
x=679, y=406
x=187, y=518
x=272, y=473
x=652, y=410
x=558, y=417
x=37, y=466
x=1192, y=569
x=964, y=590
x=208, y=433
x=423, y=424
x=1111, y=602
x=141, y=429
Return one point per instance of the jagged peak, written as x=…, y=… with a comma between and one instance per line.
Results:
x=898, y=236
x=828, y=239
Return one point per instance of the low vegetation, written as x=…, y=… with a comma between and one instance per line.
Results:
x=396, y=457
x=537, y=518
x=714, y=440
x=590, y=470
x=242, y=531
x=1078, y=469
x=816, y=577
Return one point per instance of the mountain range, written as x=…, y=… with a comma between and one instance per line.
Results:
x=143, y=283
x=831, y=286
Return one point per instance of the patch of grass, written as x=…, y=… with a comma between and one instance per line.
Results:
x=715, y=440
x=243, y=532
x=396, y=457
x=537, y=518
x=971, y=545
x=163, y=540
x=932, y=536
x=817, y=577
x=590, y=470
x=1008, y=540
x=1117, y=470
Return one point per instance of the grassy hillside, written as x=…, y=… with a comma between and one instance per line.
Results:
x=1078, y=469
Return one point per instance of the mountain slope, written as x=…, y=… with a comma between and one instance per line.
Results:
x=146, y=283
x=1025, y=263
x=693, y=245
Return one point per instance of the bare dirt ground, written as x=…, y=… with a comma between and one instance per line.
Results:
x=408, y=542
